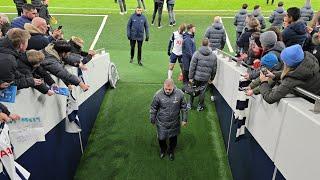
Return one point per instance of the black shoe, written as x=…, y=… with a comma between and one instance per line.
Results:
x=131, y=60
x=171, y=156
x=140, y=64
x=200, y=108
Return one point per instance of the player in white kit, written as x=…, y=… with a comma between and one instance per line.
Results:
x=175, y=49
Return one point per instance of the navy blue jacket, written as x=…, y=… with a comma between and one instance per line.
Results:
x=188, y=48
x=19, y=22
x=39, y=41
x=136, y=27
x=295, y=33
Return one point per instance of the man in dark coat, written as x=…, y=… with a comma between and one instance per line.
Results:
x=257, y=14
x=29, y=12
x=216, y=34
x=239, y=20
x=38, y=29
x=202, y=70
x=277, y=17
x=167, y=105
x=301, y=70
x=188, y=48
x=295, y=32
x=136, y=28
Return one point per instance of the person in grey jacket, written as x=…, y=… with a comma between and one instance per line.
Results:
x=202, y=70
x=55, y=59
x=172, y=18
x=301, y=69
x=167, y=109
x=239, y=20
x=158, y=7
x=277, y=17
x=257, y=14
x=136, y=28
x=216, y=34
x=306, y=12
x=19, y=4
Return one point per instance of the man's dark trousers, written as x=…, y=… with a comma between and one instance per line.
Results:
x=172, y=145
x=133, y=44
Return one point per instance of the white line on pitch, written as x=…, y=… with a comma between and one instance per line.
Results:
x=88, y=15
x=227, y=38
x=113, y=9
x=99, y=32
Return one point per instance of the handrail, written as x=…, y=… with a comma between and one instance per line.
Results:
x=296, y=89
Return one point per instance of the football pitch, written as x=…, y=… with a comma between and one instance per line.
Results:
x=123, y=144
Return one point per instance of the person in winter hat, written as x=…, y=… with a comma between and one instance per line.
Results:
x=301, y=69
x=268, y=62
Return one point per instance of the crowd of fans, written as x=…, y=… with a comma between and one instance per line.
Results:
x=284, y=56
x=31, y=50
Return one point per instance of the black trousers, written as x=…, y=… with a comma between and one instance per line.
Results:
x=157, y=7
x=133, y=45
x=271, y=1
x=172, y=144
x=202, y=94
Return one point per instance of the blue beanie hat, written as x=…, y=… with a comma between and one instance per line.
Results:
x=292, y=56
x=269, y=60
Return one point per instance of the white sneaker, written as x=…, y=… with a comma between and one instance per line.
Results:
x=159, y=27
x=121, y=13
x=212, y=98
x=125, y=12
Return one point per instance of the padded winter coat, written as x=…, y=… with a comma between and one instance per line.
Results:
x=216, y=35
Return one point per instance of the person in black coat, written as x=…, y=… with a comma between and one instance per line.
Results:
x=296, y=31
x=44, y=12
x=158, y=6
x=136, y=28
x=188, y=49
x=19, y=4
x=38, y=29
x=30, y=73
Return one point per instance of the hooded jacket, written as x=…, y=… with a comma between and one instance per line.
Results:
x=306, y=13
x=203, y=65
x=55, y=65
x=8, y=60
x=306, y=76
x=216, y=35
x=239, y=20
x=165, y=112
x=188, y=48
x=38, y=40
x=257, y=14
x=295, y=33
x=277, y=17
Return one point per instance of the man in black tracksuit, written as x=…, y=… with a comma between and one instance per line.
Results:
x=158, y=6
x=188, y=48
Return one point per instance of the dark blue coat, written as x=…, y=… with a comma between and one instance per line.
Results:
x=188, y=48
x=295, y=33
x=39, y=41
x=19, y=22
x=136, y=27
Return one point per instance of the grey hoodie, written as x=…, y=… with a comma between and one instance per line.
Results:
x=239, y=20
x=203, y=65
x=277, y=17
x=257, y=14
x=216, y=35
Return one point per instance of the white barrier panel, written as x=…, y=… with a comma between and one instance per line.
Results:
x=287, y=131
x=297, y=154
x=227, y=80
x=52, y=110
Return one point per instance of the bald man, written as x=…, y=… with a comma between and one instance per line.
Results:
x=38, y=30
x=167, y=105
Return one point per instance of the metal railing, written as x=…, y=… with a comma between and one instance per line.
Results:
x=306, y=93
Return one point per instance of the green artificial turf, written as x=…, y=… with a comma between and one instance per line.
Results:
x=123, y=143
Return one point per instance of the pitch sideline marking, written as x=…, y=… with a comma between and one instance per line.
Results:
x=96, y=38
x=227, y=38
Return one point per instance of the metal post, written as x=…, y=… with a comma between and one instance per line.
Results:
x=81, y=146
